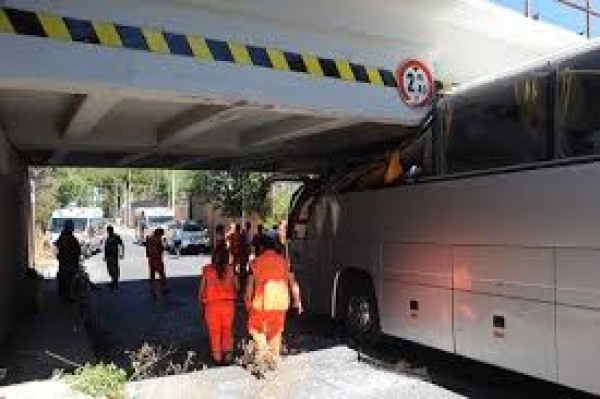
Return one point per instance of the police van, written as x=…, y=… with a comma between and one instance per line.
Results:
x=89, y=223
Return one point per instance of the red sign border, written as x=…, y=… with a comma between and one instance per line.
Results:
x=400, y=72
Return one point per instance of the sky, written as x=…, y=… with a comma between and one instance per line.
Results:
x=554, y=12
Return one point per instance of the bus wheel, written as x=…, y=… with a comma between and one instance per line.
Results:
x=360, y=314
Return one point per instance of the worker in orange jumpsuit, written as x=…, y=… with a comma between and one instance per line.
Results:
x=234, y=240
x=268, y=299
x=154, y=252
x=218, y=291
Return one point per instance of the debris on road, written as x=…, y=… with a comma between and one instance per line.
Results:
x=402, y=366
x=328, y=373
x=156, y=361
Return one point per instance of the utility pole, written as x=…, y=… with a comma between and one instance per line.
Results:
x=128, y=196
x=173, y=190
x=527, y=8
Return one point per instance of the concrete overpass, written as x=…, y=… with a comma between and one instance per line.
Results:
x=265, y=84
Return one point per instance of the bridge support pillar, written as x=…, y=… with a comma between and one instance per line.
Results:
x=15, y=211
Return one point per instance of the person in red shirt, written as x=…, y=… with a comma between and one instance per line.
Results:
x=268, y=299
x=217, y=293
x=154, y=252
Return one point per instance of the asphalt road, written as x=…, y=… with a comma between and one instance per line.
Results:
x=135, y=268
x=130, y=316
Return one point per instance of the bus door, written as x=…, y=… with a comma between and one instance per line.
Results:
x=307, y=252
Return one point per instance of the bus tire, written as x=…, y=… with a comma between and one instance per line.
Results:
x=358, y=308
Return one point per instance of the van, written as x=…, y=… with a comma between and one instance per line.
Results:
x=149, y=219
x=90, y=227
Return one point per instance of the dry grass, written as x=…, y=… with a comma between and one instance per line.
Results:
x=156, y=361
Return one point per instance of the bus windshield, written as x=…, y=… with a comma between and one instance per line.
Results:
x=57, y=224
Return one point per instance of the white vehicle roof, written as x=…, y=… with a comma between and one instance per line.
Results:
x=77, y=212
x=156, y=211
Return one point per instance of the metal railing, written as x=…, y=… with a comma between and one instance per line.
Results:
x=586, y=7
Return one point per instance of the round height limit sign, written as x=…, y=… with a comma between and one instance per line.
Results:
x=415, y=83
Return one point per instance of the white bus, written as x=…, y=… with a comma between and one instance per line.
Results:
x=90, y=227
x=493, y=251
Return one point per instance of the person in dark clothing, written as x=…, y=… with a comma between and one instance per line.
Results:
x=246, y=251
x=113, y=251
x=258, y=240
x=69, y=256
x=154, y=252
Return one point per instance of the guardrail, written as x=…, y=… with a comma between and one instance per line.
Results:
x=586, y=7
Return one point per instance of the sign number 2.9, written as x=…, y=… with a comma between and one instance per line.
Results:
x=415, y=83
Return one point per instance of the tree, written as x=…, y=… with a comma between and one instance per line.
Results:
x=281, y=195
x=233, y=192
x=46, y=189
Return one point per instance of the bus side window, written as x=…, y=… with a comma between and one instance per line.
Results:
x=497, y=126
x=577, y=117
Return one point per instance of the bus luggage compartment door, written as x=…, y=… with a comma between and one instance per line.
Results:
x=504, y=307
x=578, y=317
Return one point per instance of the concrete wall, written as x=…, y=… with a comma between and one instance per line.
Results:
x=14, y=232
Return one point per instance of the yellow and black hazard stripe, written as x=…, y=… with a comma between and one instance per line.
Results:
x=109, y=34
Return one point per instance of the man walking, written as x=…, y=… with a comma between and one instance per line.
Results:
x=154, y=252
x=113, y=251
x=69, y=256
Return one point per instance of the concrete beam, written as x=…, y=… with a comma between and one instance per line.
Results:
x=129, y=159
x=291, y=128
x=195, y=163
x=195, y=122
x=58, y=156
x=85, y=114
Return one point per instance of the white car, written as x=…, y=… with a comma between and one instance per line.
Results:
x=190, y=237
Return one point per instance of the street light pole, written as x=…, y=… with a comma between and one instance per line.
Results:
x=173, y=190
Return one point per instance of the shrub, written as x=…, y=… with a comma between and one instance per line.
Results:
x=99, y=381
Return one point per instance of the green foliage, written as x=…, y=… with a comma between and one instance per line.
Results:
x=46, y=188
x=81, y=186
x=281, y=195
x=233, y=192
x=99, y=381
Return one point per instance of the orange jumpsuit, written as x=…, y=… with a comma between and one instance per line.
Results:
x=154, y=252
x=218, y=296
x=270, y=300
